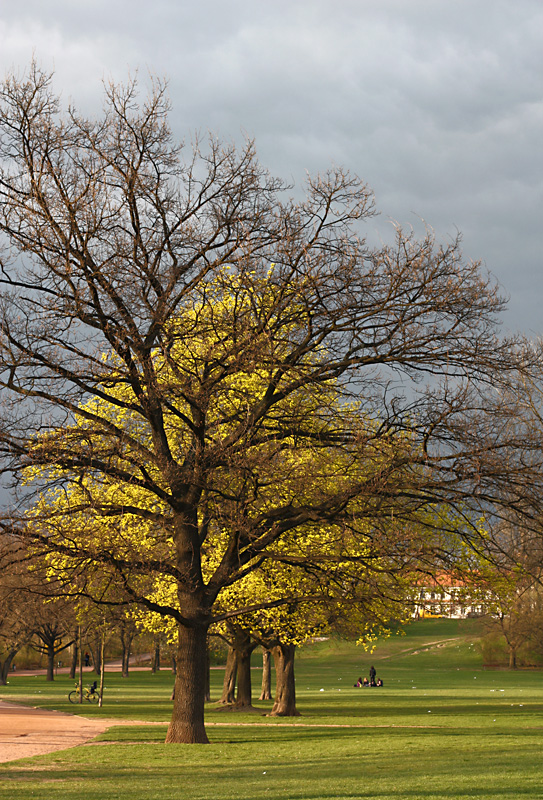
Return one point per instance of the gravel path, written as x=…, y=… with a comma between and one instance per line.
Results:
x=26, y=731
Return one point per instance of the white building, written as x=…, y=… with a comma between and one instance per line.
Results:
x=446, y=596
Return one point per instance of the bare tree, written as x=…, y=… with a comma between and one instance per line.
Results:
x=183, y=346
x=510, y=589
x=53, y=626
x=515, y=621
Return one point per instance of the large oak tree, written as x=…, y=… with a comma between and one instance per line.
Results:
x=155, y=280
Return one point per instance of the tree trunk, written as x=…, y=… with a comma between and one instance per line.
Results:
x=126, y=642
x=244, y=647
x=229, y=682
x=102, y=662
x=5, y=666
x=155, y=661
x=512, y=657
x=265, y=693
x=285, y=690
x=125, y=662
x=50, y=676
x=80, y=666
x=74, y=662
x=208, y=675
x=187, y=723
x=94, y=647
x=244, y=694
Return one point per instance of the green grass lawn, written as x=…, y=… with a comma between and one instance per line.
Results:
x=441, y=728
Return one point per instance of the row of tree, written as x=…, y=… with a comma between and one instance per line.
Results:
x=35, y=616
x=35, y=612
x=221, y=405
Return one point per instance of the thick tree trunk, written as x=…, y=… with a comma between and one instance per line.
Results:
x=244, y=647
x=244, y=694
x=285, y=691
x=187, y=723
x=229, y=683
x=265, y=693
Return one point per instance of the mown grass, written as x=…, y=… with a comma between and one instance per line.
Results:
x=441, y=728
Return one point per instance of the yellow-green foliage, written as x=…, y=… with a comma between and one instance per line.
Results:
x=212, y=374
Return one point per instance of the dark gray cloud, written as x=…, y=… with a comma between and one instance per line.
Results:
x=437, y=105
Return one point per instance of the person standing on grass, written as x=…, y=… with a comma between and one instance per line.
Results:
x=372, y=676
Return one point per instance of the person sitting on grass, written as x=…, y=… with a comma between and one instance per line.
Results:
x=379, y=682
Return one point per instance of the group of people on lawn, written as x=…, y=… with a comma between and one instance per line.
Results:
x=373, y=680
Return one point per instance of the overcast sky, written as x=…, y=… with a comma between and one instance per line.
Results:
x=437, y=104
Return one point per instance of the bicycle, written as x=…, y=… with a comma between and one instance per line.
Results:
x=89, y=694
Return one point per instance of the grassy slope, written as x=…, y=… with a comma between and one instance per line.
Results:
x=441, y=727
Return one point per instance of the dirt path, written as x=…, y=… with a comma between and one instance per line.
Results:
x=414, y=651
x=28, y=731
